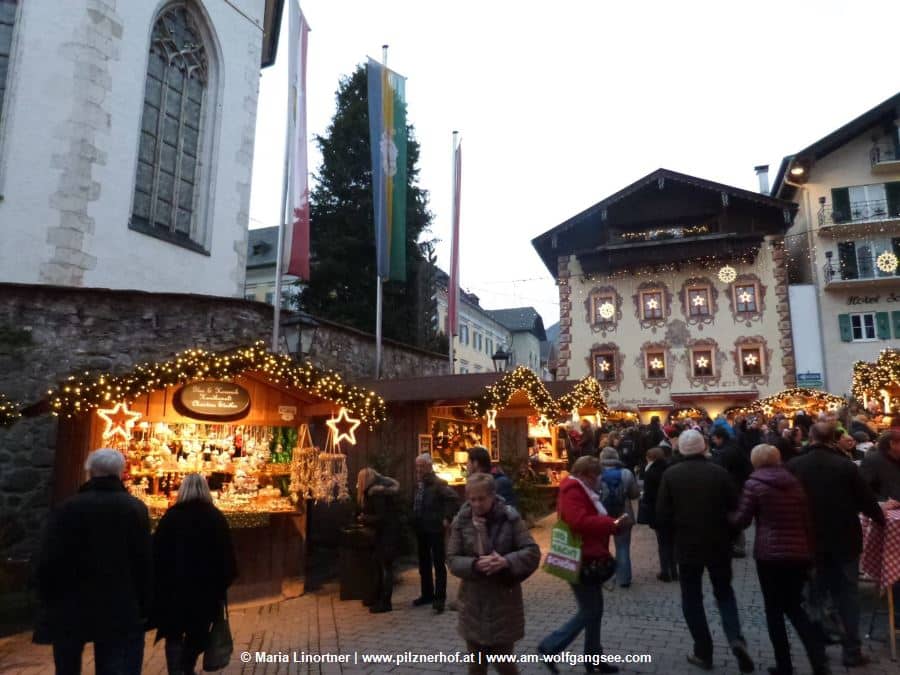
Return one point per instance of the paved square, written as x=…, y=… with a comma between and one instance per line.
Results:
x=645, y=619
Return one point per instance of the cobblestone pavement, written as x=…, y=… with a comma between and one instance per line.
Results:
x=645, y=619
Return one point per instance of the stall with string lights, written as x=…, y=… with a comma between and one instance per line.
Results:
x=245, y=419
x=876, y=384
x=791, y=401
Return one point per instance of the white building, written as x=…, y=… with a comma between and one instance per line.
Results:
x=844, y=246
x=259, y=285
x=126, y=141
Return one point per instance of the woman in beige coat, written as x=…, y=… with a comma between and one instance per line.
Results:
x=491, y=550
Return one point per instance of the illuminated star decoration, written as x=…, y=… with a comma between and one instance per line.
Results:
x=338, y=435
x=703, y=362
x=119, y=420
x=607, y=310
x=745, y=297
x=887, y=262
x=750, y=359
x=656, y=364
x=652, y=303
x=727, y=274
x=543, y=425
x=492, y=418
x=699, y=301
x=604, y=365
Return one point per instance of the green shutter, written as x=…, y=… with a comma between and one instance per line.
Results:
x=846, y=329
x=840, y=205
x=892, y=190
x=895, y=317
x=883, y=325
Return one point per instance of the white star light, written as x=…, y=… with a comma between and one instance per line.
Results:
x=751, y=359
x=727, y=274
x=656, y=364
x=699, y=301
x=652, y=303
x=745, y=297
x=604, y=365
x=703, y=362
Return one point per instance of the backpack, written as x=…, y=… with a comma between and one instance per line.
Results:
x=613, y=497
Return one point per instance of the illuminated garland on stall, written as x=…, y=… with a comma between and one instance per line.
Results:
x=496, y=396
x=9, y=411
x=870, y=378
x=80, y=393
x=587, y=393
x=618, y=415
x=682, y=414
x=815, y=399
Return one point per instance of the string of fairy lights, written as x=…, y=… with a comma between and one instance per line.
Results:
x=86, y=391
x=496, y=396
x=587, y=393
x=870, y=379
x=792, y=400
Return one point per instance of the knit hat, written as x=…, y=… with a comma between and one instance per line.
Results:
x=691, y=443
x=609, y=456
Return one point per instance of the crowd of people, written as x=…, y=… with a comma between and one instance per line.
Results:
x=698, y=485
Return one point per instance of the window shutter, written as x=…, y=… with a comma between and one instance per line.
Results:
x=840, y=205
x=846, y=329
x=847, y=260
x=895, y=316
x=892, y=191
x=883, y=325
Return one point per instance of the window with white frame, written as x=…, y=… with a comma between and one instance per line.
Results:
x=168, y=182
x=698, y=301
x=652, y=304
x=463, y=334
x=863, y=326
x=7, y=23
x=604, y=366
x=745, y=297
x=489, y=347
x=477, y=344
x=601, y=300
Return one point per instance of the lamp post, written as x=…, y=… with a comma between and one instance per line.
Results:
x=500, y=359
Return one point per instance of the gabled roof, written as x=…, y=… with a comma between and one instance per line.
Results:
x=520, y=319
x=262, y=247
x=544, y=243
x=271, y=28
x=884, y=112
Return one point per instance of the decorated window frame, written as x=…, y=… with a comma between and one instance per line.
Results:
x=652, y=304
x=742, y=308
x=597, y=297
x=752, y=360
x=709, y=372
x=610, y=352
x=653, y=376
x=699, y=301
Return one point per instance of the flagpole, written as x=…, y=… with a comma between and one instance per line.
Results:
x=283, y=224
x=379, y=283
x=451, y=328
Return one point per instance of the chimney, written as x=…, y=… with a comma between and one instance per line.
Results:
x=762, y=172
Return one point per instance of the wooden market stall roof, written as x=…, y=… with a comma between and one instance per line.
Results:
x=871, y=377
x=792, y=400
x=82, y=392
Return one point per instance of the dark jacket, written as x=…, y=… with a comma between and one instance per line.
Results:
x=577, y=510
x=748, y=439
x=652, y=478
x=882, y=473
x=439, y=503
x=94, y=569
x=492, y=611
x=587, y=444
x=837, y=494
x=695, y=497
x=381, y=512
x=775, y=498
x=856, y=425
x=731, y=458
x=504, y=487
x=194, y=563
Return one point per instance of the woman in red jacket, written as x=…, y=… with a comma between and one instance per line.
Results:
x=580, y=508
x=783, y=552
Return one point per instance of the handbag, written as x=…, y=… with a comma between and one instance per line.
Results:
x=597, y=571
x=643, y=514
x=564, y=557
x=221, y=645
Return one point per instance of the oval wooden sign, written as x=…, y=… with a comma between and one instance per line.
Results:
x=210, y=400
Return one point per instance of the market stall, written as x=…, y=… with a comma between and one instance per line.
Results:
x=241, y=419
x=797, y=399
x=877, y=386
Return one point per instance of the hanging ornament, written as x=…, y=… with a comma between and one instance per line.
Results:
x=543, y=426
x=656, y=364
x=604, y=365
x=751, y=359
x=652, y=303
x=607, y=311
x=119, y=420
x=699, y=301
x=745, y=297
x=887, y=262
x=350, y=434
x=492, y=418
x=702, y=362
x=727, y=274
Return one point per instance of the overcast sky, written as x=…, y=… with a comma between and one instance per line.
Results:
x=562, y=103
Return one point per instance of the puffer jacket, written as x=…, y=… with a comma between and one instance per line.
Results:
x=577, y=510
x=776, y=498
x=493, y=612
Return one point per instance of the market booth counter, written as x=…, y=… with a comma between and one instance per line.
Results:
x=243, y=426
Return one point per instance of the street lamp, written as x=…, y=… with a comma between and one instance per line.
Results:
x=500, y=359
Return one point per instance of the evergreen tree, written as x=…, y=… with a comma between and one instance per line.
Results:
x=342, y=284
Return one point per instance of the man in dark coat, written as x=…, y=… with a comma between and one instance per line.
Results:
x=434, y=505
x=94, y=573
x=377, y=498
x=881, y=466
x=656, y=466
x=695, y=497
x=837, y=494
x=730, y=456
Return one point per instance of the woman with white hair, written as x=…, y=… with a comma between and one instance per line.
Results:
x=377, y=501
x=783, y=549
x=194, y=564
